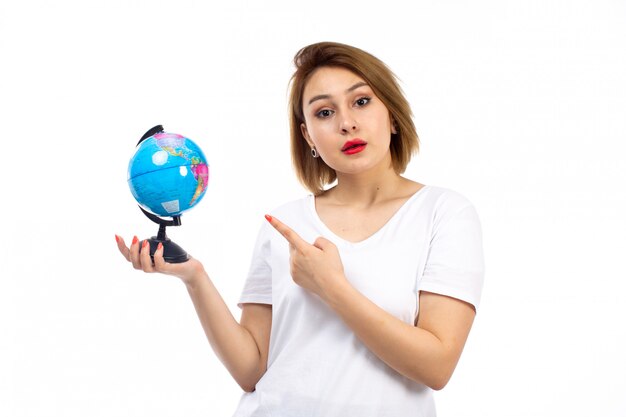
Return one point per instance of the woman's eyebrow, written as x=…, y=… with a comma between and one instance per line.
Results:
x=355, y=86
x=324, y=96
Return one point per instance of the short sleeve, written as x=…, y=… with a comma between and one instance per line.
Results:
x=258, y=285
x=455, y=263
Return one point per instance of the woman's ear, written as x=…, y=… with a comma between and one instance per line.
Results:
x=394, y=127
x=305, y=133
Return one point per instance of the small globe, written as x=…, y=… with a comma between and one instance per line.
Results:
x=168, y=174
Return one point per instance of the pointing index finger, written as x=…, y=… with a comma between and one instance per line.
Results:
x=292, y=237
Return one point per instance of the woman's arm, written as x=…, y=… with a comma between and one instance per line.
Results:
x=427, y=352
x=242, y=348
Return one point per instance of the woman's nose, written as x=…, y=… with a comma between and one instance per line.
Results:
x=348, y=124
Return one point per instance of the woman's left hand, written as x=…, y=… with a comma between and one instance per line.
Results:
x=317, y=267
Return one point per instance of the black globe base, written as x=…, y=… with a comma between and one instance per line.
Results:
x=172, y=253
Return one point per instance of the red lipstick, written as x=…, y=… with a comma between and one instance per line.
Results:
x=353, y=146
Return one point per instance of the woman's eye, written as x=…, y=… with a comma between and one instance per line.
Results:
x=362, y=101
x=324, y=113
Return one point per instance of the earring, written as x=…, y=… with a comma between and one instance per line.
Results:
x=314, y=153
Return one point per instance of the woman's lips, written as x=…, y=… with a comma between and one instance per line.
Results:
x=353, y=146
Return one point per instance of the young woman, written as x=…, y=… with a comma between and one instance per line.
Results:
x=360, y=296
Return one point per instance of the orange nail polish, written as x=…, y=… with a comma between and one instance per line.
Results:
x=268, y=218
x=145, y=243
x=160, y=246
x=135, y=240
x=117, y=239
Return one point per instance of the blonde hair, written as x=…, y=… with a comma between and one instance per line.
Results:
x=313, y=173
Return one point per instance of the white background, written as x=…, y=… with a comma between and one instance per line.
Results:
x=520, y=106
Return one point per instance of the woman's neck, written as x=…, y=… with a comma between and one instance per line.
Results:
x=366, y=189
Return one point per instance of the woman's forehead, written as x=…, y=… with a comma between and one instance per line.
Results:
x=331, y=81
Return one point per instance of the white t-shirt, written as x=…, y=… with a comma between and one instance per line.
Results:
x=316, y=365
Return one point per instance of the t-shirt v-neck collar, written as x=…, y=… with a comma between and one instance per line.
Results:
x=374, y=236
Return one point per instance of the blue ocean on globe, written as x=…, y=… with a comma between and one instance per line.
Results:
x=168, y=174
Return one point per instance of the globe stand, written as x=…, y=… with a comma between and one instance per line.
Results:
x=172, y=253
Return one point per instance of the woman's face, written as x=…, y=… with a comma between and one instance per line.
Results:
x=346, y=123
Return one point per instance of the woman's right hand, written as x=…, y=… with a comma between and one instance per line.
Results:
x=188, y=271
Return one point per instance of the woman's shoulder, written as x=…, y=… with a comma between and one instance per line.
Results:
x=287, y=212
x=444, y=196
x=295, y=207
x=439, y=202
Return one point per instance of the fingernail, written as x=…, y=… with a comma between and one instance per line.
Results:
x=268, y=218
x=135, y=240
x=117, y=239
x=145, y=243
x=160, y=246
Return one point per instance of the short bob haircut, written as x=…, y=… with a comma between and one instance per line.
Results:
x=313, y=173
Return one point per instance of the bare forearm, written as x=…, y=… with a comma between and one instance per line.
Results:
x=413, y=352
x=233, y=344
